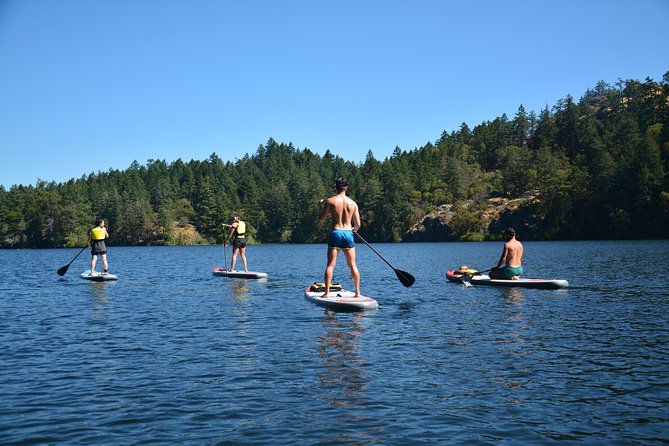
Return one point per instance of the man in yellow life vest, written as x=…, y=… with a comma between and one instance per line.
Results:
x=96, y=238
x=238, y=231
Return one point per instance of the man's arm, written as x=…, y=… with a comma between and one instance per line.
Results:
x=324, y=208
x=356, y=219
x=502, y=259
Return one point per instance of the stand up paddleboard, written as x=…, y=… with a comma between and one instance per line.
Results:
x=484, y=279
x=222, y=272
x=98, y=277
x=340, y=300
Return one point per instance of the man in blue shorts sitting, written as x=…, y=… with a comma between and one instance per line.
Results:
x=345, y=220
x=512, y=258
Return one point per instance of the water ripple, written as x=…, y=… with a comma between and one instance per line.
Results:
x=174, y=355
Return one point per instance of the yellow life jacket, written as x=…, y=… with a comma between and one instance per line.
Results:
x=241, y=228
x=97, y=233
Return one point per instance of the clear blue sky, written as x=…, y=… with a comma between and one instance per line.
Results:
x=86, y=86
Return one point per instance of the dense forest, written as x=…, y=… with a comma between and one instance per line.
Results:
x=599, y=166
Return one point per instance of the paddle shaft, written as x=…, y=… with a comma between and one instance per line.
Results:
x=467, y=276
x=64, y=269
x=404, y=277
x=479, y=272
x=375, y=251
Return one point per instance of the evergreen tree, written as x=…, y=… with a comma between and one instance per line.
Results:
x=599, y=166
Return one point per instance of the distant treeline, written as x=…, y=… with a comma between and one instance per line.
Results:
x=599, y=165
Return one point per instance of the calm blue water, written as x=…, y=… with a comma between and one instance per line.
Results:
x=170, y=354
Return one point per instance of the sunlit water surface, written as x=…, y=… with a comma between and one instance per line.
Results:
x=171, y=354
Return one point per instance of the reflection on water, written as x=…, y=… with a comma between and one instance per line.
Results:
x=513, y=343
x=514, y=296
x=100, y=298
x=99, y=290
x=342, y=377
x=240, y=289
x=515, y=320
x=343, y=380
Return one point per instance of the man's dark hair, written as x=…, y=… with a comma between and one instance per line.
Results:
x=340, y=184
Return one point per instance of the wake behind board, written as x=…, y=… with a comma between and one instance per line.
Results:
x=222, y=272
x=484, y=279
x=97, y=277
x=341, y=300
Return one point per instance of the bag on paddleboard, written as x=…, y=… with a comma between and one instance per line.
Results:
x=320, y=286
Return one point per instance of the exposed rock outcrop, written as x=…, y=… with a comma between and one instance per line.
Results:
x=435, y=226
x=521, y=213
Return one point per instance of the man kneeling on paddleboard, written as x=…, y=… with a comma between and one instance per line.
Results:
x=512, y=258
x=345, y=220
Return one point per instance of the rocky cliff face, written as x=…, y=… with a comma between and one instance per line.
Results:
x=435, y=226
x=521, y=213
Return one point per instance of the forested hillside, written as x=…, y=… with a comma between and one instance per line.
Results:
x=598, y=165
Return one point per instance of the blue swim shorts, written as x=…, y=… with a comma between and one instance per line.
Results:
x=341, y=239
x=507, y=271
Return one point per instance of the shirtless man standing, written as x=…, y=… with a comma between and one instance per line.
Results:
x=512, y=257
x=345, y=220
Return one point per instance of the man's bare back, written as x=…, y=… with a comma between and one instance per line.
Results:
x=343, y=211
x=511, y=258
x=513, y=253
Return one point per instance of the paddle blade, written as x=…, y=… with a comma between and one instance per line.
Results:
x=61, y=271
x=406, y=278
x=465, y=280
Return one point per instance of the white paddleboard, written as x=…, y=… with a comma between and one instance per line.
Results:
x=341, y=300
x=484, y=279
x=222, y=272
x=97, y=277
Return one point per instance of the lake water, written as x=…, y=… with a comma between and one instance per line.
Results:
x=170, y=354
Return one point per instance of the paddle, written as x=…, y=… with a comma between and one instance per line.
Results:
x=404, y=277
x=63, y=270
x=466, y=277
x=225, y=254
